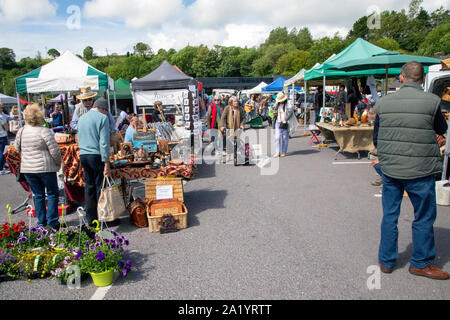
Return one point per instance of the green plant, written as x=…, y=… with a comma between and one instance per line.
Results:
x=100, y=260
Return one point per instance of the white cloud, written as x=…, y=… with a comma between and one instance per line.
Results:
x=134, y=13
x=19, y=10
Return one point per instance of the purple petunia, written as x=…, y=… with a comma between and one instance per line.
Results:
x=78, y=254
x=100, y=256
x=125, y=266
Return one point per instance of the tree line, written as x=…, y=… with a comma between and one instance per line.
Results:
x=413, y=30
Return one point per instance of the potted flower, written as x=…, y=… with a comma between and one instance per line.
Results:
x=103, y=258
x=10, y=232
x=6, y=262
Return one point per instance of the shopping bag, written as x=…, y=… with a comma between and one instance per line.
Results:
x=110, y=204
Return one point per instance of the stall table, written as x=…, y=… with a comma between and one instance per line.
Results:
x=351, y=139
x=74, y=176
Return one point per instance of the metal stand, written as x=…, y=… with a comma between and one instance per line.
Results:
x=23, y=206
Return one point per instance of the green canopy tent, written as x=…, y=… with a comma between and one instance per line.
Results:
x=122, y=89
x=385, y=61
x=357, y=50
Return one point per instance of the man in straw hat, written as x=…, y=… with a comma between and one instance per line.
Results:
x=86, y=97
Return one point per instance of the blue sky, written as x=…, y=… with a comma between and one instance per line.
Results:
x=115, y=26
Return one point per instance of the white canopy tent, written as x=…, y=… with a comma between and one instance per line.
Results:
x=67, y=73
x=4, y=99
x=255, y=90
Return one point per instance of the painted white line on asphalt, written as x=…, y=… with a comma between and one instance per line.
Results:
x=353, y=162
x=100, y=293
x=378, y=196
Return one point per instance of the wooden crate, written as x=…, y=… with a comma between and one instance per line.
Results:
x=150, y=194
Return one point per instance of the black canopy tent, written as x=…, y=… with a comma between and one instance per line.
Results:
x=166, y=84
x=165, y=77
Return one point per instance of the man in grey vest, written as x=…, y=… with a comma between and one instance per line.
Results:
x=409, y=155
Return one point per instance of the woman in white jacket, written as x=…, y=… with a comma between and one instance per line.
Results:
x=41, y=159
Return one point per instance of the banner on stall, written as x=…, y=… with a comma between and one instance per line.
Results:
x=167, y=97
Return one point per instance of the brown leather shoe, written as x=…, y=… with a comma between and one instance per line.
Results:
x=430, y=272
x=384, y=269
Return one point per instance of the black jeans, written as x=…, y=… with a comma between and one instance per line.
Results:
x=93, y=178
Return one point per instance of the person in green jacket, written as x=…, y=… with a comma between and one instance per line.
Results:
x=409, y=156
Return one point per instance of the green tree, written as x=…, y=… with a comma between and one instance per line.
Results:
x=88, y=53
x=53, y=53
x=265, y=65
x=184, y=59
x=292, y=62
x=205, y=63
x=439, y=16
x=323, y=48
x=360, y=29
x=143, y=49
x=437, y=41
x=7, y=58
x=387, y=43
x=303, y=40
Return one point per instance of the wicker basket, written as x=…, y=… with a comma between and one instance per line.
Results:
x=155, y=223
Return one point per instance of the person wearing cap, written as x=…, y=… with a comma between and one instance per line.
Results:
x=282, y=115
x=94, y=144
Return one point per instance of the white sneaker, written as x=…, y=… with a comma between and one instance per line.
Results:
x=276, y=155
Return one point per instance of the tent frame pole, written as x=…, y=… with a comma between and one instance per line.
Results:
x=20, y=108
x=134, y=102
x=115, y=102
x=109, y=102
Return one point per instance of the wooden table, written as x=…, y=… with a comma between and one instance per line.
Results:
x=351, y=139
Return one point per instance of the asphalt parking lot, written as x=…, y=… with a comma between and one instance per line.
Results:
x=311, y=231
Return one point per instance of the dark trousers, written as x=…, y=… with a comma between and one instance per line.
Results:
x=93, y=178
x=39, y=183
x=3, y=144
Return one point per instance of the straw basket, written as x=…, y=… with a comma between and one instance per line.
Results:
x=155, y=222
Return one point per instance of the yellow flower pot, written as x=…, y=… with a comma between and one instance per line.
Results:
x=103, y=279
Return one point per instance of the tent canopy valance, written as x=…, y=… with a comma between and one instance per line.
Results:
x=66, y=73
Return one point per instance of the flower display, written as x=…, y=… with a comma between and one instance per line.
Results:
x=38, y=252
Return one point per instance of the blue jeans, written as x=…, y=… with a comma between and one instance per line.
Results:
x=39, y=183
x=3, y=144
x=377, y=168
x=281, y=139
x=422, y=194
x=93, y=168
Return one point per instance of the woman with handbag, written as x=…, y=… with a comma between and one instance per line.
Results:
x=280, y=124
x=40, y=160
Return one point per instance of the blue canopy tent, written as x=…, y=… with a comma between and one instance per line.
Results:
x=278, y=86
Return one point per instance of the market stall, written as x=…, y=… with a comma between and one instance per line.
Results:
x=352, y=139
x=66, y=74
